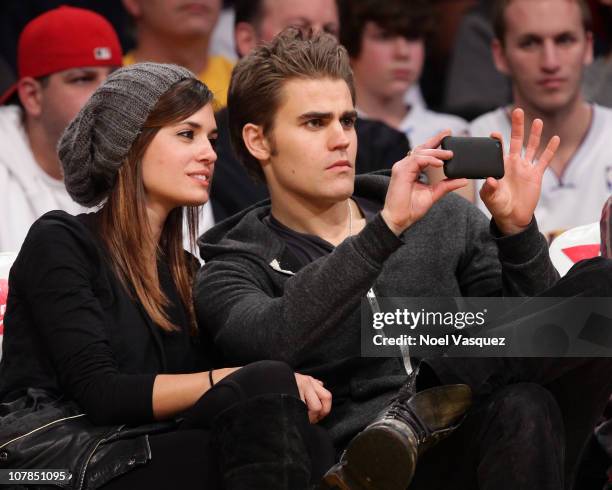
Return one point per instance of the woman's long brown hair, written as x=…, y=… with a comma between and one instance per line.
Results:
x=123, y=220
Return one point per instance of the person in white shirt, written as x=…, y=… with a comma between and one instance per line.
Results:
x=63, y=55
x=386, y=45
x=544, y=46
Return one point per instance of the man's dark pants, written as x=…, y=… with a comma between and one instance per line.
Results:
x=531, y=418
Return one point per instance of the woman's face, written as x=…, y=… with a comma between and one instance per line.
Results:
x=178, y=164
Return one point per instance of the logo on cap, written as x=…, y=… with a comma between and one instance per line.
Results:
x=102, y=53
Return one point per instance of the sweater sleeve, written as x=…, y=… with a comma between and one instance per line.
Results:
x=234, y=299
x=496, y=265
x=57, y=270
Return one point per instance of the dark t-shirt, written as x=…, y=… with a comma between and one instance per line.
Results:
x=307, y=248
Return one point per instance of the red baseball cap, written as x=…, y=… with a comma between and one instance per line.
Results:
x=63, y=38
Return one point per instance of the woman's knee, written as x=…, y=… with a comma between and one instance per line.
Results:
x=264, y=377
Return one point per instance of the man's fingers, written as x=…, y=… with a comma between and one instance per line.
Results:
x=435, y=141
x=534, y=139
x=445, y=186
x=518, y=132
x=489, y=187
x=414, y=166
x=498, y=136
x=548, y=153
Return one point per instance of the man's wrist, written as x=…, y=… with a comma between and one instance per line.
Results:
x=510, y=228
x=397, y=230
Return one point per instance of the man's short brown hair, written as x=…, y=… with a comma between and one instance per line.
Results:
x=499, y=17
x=257, y=80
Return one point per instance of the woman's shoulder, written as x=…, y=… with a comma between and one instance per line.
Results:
x=60, y=234
x=58, y=223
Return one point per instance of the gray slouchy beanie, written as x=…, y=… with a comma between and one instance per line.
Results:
x=96, y=142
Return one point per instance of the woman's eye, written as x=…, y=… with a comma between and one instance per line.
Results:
x=213, y=142
x=186, y=134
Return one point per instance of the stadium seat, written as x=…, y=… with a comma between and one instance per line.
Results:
x=574, y=245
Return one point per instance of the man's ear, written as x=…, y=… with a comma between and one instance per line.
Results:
x=245, y=37
x=30, y=94
x=499, y=57
x=256, y=142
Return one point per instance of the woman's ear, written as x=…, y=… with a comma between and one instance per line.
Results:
x=256, y=142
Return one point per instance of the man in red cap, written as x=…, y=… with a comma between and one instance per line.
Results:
x=63, y=56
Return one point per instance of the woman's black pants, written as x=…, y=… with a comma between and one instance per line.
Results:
x=185, y=458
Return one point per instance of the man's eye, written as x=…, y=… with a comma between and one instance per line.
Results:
x=528, y=44
x=314, y=123
x=566, y=40
x=83, y=79
x=348, y=122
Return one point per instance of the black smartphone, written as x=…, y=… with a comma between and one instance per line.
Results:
x=473, y=158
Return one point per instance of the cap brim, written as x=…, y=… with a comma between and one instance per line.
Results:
x=6, y=96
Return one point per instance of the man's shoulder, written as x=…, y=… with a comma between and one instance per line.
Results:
x=496, y=120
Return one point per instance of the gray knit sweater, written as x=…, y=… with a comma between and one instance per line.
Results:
x=257, y=306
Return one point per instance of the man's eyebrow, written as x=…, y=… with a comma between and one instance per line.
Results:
x=531, y=36
x=315, y=115
x=352, y=114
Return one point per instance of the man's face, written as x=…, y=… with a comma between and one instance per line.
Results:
x=64, y=94
x=318, y=15
x=313, y=142
x=177, y=18
x=387, y=64
x=545, y=51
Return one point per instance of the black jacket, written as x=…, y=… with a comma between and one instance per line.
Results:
x=87, y=343
x=258, y=305
x=379, y=147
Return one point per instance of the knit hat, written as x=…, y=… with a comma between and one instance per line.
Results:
x=96, y=142
x=64, y=38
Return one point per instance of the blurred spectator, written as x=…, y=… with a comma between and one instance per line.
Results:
x=222, y=42
x=597, y=85
x=7, y=76
x=179, y=32
x=386, y=44
x=473, y=84
x=259, y=21
x=544, y=46
x=63, y=56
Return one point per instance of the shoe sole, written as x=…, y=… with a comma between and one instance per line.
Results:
x=376, y=459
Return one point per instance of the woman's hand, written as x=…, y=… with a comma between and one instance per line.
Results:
x=315, y=396
x=513, y=199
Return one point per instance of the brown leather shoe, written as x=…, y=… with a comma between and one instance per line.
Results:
x=384, y=455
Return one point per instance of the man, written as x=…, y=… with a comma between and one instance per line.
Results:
x=386, y=43
x=544, y=46
x=179, y=32
x=285, y=279
x=63, y=56
x=257, y=22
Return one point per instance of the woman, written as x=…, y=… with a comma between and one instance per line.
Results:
x=100, y=306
